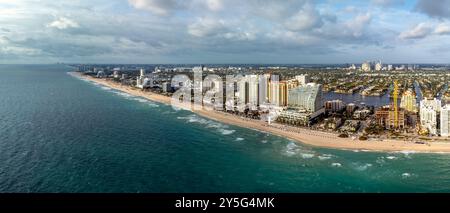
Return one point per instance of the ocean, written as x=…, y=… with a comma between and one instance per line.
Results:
x=62, y=134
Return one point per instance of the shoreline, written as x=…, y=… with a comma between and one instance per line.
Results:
x=302, y=136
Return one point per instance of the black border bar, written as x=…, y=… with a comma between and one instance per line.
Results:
x=314, y=201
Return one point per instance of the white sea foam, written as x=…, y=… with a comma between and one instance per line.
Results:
x=151, y=104
x=289, y=153
x=264, y=141
x=227, y=131
x=325, y=157
x=141, y=100
x=239, y=139
x=223, y=129
x=145, y=101
x=391, y=157
x=193, y=119
x=363, y=167
x=336, y=165
x=293, y=149
x=307, y=155
x=291, y=145
x=407, y=153
x=168, y=112
x=105, y=88
x=123, y=94
x=406, y=175
x=380, y=160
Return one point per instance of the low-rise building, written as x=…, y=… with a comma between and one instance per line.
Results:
x=299, y=118
x=361, y=114
x=334, y=106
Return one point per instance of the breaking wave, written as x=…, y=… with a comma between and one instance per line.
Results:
x=406, y=175
x=336, y=165
x=293, y=149
x=391, y=157
x=325, y=157
x=362, y=167
x=221, y=128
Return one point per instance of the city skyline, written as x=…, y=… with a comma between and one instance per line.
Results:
x=217, y=31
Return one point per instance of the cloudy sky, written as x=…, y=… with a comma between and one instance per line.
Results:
x=224, y=31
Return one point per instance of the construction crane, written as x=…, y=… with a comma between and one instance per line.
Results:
x=395, y=104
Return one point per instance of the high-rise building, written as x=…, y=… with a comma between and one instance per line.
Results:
x=378, y=66
x=142, y=72
x=409, y=102
x=445, y=121
x=278, y=92
x=274, y=91
x=306, y=98
x=428, y=120
x=431, y=103
x=242, y=86
x=284, y=93
x=253, y=91
x=264, y=88
x=366, y=67
x=429, y=110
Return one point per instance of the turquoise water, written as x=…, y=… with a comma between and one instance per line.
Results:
x=61, y=134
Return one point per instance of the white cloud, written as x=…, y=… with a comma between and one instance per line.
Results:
x=214, y=5
x=442, y=29
x=198, y=28
x=206, y=27
x=421, y=30
x=63, y=23
x=424, y=30
x=3, y=40
x=387, y=3
x=19, y=51
x=359, y=24
x=305, y=19
x=158, y=7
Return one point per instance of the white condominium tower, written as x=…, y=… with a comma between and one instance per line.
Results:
x=445, y=121
x=428, y=114
x=253, y=92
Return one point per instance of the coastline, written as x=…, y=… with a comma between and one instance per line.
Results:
x=303, y=136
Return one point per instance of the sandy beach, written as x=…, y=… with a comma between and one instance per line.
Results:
x=305, y=136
